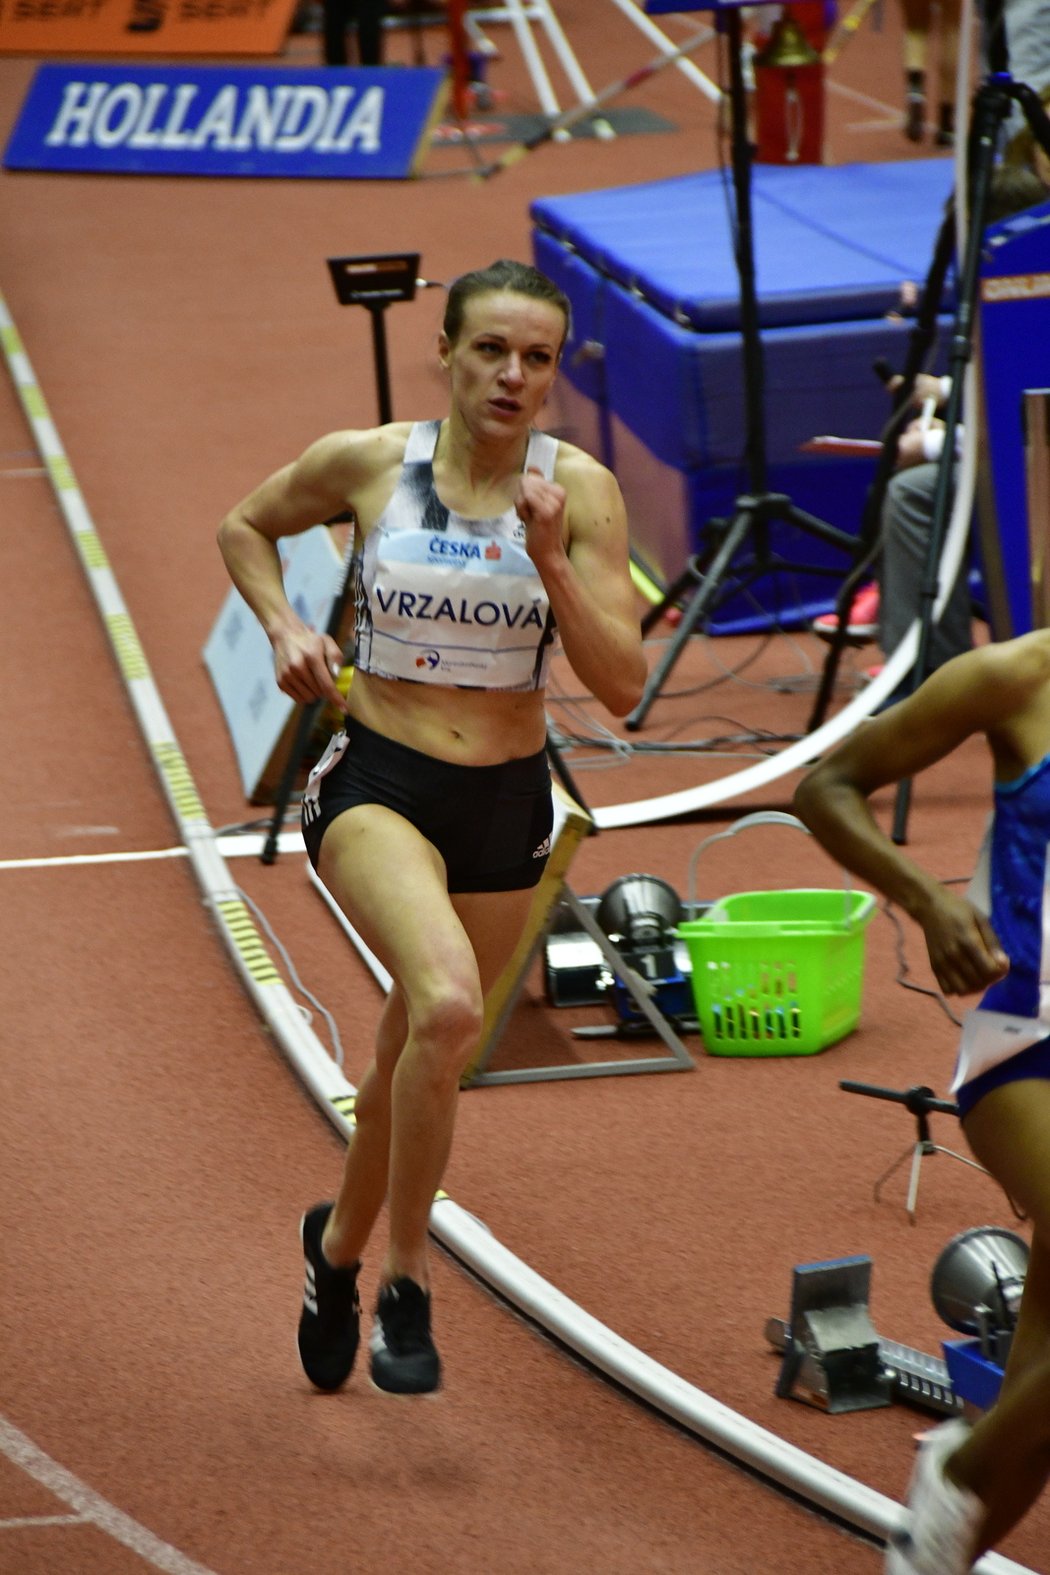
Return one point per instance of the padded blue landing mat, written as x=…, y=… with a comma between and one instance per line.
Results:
x=831, y=244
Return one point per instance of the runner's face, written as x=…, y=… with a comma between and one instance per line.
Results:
x=504, y=360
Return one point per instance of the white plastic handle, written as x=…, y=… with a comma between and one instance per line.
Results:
x=766, y=817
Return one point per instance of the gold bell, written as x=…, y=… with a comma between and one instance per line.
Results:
x=788, y=46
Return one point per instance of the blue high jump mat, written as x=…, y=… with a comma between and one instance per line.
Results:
x=831, y=244
x=651, y=273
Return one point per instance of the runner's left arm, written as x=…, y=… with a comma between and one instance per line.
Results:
x=576, y=533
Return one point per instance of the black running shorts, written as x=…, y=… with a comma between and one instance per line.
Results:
x=492, y=825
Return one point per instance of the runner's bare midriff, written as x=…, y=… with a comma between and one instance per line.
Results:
x=470, y=727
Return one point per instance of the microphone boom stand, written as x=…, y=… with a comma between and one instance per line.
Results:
x=920, y=1101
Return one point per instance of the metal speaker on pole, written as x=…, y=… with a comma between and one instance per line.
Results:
x=977, y=1284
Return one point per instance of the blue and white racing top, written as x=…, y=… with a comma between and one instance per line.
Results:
x=1012, y=885
x=443, y=599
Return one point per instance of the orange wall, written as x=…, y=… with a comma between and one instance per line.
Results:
x=144, y=27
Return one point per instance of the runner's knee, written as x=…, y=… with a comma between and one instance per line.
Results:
x=446, y=1024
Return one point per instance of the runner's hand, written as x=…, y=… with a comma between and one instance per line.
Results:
x=964, y=950
x=540, y=505
x=306, y=666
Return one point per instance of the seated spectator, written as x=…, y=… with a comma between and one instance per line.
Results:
x=887, y=607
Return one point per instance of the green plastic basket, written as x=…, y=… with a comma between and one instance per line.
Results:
x=778, y=972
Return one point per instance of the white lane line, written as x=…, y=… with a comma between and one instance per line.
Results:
x=229, y=847
x=60, y=860
x=20, y=1522
x=891, y=124
x=90, y=1506
x=861, y=98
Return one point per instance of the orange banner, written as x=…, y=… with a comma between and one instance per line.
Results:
x=144, y=27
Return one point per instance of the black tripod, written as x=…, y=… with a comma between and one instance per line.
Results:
x=991, y=107
x=755, y=510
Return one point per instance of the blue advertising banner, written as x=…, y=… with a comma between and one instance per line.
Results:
x=1014, y=320
x=339, y=123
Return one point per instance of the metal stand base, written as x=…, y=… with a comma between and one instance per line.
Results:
x=748, y=526
x=920, y=1101
x=918, y=1152
x=522, y=15
x=678, y=1058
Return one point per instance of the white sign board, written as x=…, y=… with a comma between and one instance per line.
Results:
x=238, y=655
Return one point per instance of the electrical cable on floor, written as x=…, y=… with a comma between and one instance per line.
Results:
x=594, y=732
x=293, y=973
x=903, y=970
x=597, y=736
x=243, y=828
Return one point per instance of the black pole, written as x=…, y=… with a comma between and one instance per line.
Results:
x=564, y=776
x=754, y=376
x=377, y=310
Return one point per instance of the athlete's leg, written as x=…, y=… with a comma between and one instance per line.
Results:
x=907, y=520
x=915, y=45
x=365, y=1172
x=370, y=32
x=1006, y=1459
x=390, y=882
x=336, y=19
x=425, y=1088
x=947, y=65
x=917, y=18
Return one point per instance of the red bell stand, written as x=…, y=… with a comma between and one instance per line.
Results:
x=789, y=88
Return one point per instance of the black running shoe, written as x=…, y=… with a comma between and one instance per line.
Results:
x=330, y=1322
x=404, y=1360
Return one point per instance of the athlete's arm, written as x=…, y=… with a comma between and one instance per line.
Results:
x=577, y=537
x=971, y=694
x=314, y=488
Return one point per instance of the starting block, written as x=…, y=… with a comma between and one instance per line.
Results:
x=832, y=1357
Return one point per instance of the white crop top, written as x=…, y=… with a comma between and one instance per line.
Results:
x=442, y=599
